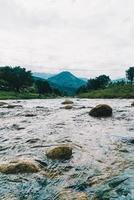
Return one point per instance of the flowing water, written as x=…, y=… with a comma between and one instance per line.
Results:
x=102, y=165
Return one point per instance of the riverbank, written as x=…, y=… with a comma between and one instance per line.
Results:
x=117, y=91
x=6, y=95
x=120, y=91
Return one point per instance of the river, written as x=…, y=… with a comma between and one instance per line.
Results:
x=102, y=165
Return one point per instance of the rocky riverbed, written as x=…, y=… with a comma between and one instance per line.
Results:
x=102, y=161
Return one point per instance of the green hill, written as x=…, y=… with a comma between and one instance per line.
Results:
x=66, y=82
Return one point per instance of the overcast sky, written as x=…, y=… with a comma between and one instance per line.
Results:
x=86, y=37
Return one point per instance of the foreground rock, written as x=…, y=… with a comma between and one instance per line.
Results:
x=20, y=166
x=67, y=102
x=101, y=110
x=60, y=153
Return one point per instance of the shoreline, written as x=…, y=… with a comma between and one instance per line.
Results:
x=4, y=95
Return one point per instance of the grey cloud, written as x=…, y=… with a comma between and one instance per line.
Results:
x=84, y=36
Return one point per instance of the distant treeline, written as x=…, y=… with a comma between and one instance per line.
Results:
x=103, y=82
x=18, y=79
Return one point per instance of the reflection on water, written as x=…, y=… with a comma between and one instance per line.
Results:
x=102, y=165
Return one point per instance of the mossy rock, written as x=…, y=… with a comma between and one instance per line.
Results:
x=67, y=102
x=60, y=153
x=21, y=166
x=101, y=110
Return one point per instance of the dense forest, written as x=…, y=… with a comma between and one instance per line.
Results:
x=19, y=80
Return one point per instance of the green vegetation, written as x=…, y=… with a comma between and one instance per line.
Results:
x=113, y=91
x=15, y=78
x=94, y=84
x=17, y=83
x=43, y=87
x=24, y=95
x=16, y=95
x=130, y=74
x=102, y=87
x=99, y=82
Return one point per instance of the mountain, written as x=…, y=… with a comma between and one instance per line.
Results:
x=119, y=80
x=66, y=82
x=84, y=79
x=42, y=75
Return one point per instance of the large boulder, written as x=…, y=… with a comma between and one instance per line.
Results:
x=67, y=102
x=101, y=110
x=63, y=152
x=19, y=166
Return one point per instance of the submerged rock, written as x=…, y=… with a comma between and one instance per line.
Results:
x=30, y=115
x=33, y=140
x=128, y=140
x=67, y=102
x=20, y=166
x=68, y=107
x=40, y=107
x=60, y=153
x=10, y=106
x=82, y=107
x=101, y=110
x=3, y=104
x=17, y=127
x=71, y=195
x=132, y=104
x=9, y=197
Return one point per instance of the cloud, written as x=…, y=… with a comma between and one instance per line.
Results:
x=84, y=36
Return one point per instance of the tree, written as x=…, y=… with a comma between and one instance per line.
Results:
x=130, y=74
x=103, y=81
x=57, y=91
x=92, y=84
x=99, y=82
x=43, y=87
x=16, y=78
x=82, y=89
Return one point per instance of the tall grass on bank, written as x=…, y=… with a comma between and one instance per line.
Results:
x=5, y=95
x=115, y=91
